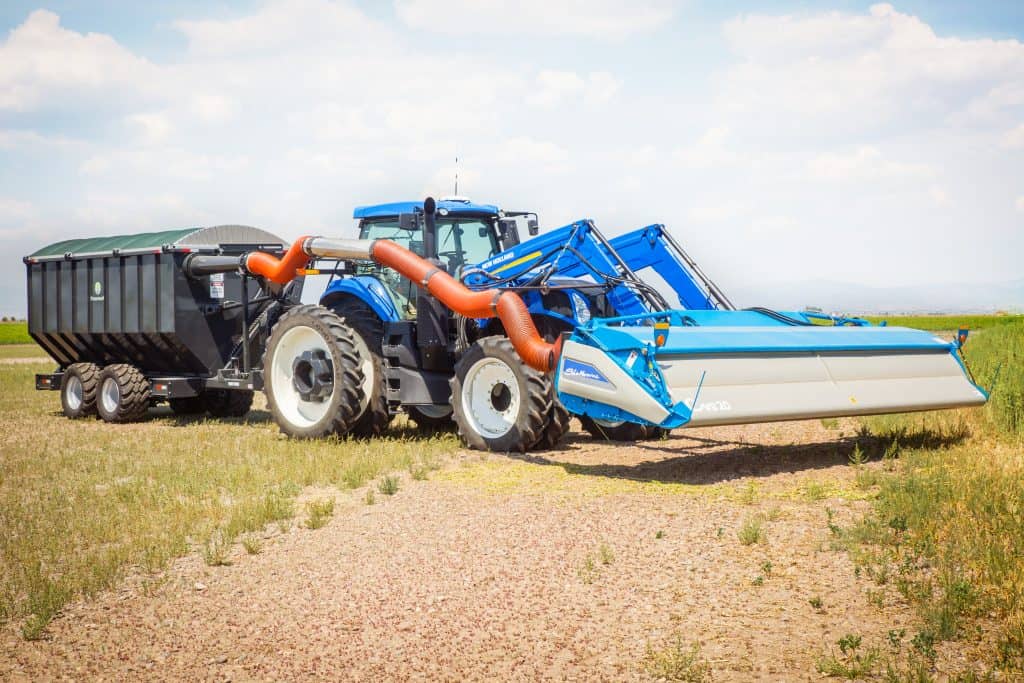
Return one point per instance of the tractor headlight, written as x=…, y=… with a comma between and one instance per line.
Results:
x=580, y=306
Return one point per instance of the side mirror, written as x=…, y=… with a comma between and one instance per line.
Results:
x=408, y=221
x=532, y=226
x=506, y=227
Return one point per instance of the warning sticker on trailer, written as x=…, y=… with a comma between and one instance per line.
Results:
x=217, y=286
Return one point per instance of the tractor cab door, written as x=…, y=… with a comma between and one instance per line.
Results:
x=461, y=242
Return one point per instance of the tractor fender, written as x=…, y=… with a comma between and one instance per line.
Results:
x=367, y=289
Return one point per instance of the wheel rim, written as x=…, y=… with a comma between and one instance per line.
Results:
x=435, y=412
x=294, y=353
x=110, y=395
x=73, y=392
x=490, y=397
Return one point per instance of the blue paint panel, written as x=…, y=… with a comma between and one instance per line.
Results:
x=367, y=289
x=395, y=208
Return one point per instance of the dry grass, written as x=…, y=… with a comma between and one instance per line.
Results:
x=83, y=502
x=947, y=529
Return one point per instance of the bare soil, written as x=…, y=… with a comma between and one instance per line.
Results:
x=549, y=567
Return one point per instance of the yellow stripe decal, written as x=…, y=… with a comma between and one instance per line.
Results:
x=518, y=261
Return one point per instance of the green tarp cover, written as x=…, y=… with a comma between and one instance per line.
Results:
x=92, y=245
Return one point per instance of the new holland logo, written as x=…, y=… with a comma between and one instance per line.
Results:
x=97, y=291
x=583, y=372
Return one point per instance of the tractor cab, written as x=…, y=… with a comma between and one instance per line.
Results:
x=464, y=234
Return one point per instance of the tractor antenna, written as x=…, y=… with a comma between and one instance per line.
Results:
x=456, y=176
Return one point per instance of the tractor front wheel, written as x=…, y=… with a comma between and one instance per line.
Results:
x=498, y=402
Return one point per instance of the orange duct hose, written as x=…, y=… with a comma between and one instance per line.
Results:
x=281, y=271
x=490, y=303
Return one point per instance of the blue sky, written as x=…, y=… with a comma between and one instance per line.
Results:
x=874, y=144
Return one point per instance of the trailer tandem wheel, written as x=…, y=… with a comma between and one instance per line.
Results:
x=123, y=394
x=498, y=402
x=312, y=373
x=78, y=390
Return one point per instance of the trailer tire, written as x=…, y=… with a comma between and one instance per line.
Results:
x=192, y=405
x=369, y=332
x=78, y=390
x=312, y=374
x=123, y=393
x=429, y=420
x=498, y=402
x=227, y=402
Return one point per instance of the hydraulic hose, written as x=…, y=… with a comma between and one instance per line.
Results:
x=489, y=303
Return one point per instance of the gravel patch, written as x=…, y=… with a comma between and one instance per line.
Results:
x=565, y=565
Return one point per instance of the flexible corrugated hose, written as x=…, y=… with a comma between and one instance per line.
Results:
x=490, y=303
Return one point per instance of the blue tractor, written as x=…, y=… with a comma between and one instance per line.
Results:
x=566, y=277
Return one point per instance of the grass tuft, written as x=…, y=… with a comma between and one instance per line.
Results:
x=752, y=530
x=319, y=512
x=677, y=661
x=388, y=485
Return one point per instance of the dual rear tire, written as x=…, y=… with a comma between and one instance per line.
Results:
x=118, y=393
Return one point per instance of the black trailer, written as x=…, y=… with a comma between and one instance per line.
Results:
x=135, y=320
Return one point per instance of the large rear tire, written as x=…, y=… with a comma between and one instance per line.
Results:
x=227, y=402
x=312, y=374
x=431, y=418
x=123, y=394
x=78, y=390
x=498, y=402
x=369, y=336
x=557, y=427
x=191, y=405
x=619, y=431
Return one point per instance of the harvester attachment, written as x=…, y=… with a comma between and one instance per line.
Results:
x=735, y=367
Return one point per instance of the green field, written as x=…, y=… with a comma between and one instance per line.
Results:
x=14, y=333
x=943, y=323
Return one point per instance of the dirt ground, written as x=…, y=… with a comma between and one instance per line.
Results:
x=564, y=565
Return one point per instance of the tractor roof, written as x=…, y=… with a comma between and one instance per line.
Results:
x=452, y=206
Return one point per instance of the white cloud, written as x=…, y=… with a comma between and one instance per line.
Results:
x=558, y=87
x=864, y=163
x=41, y=58
x=861, y=71
x=1014, y=139
x=710, y=149
x=153, y=128
x=614, y=19
x=534, y=154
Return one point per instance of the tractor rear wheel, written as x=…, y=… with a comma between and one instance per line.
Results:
x=312, y=374
x=226, y=402
x=616, y=431
x=431, y=418
x=191, y=405
x=123, y=393
x=78, y=390
x=557, y=427
x=498, y=402
x=369, y=337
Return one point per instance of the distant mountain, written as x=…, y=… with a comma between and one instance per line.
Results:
x=853, y=298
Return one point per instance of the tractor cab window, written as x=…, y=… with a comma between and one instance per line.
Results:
x=465, y=242
x=461, y=242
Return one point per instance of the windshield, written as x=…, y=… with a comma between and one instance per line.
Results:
x=461, y=242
